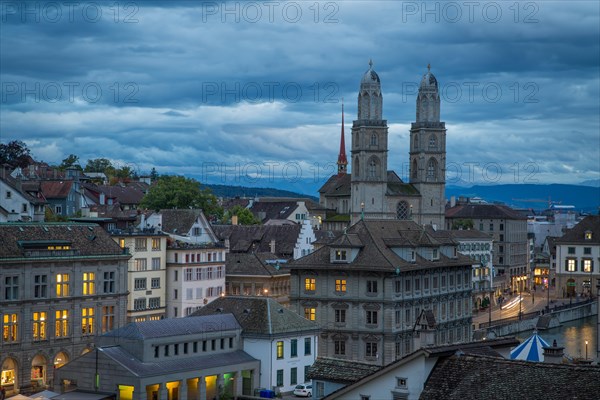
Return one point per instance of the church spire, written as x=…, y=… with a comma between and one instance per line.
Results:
x=342, y=162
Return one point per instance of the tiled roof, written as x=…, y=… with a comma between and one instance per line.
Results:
x=114, y=211
x=467, y=376
x=266, y=210
x=340, y=185
x=259, y=315
x=123, y=194
x=338, y=370
x=489, y=211
x=577, y=233
x=326, y=236
x=182, y=364
x=257, y=238
x=30, y=190
x=84, y=239
x=254, y=264
x=377, y=239
x=175, y=327
x=56, y=189
x=178, y=221
x=468, y=234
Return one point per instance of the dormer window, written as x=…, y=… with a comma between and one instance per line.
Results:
x=588, y=235
x=412, y=256
x=435, y=254
x=340, y=255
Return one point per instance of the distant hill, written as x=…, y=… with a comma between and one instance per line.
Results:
x=244, y=191
x=584, y=198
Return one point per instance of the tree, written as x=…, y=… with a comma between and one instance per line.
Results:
x=71, y=161
x=181, y=192
x=153, y=174
x=245, y=216
x=15, y=153
x=97, y=165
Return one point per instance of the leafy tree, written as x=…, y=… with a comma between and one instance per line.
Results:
x=15, y=153
x=153, y=174
x=462, y=224
x=97, y=165
x=181, y=192
x=71, y=161
x=245, y=216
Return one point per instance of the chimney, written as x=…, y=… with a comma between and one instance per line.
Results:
x=102, y=198
x=452, y=201
x=553, y=354
x=272, y=245
x=234, y=220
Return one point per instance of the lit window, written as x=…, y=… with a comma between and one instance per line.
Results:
x=155, y=244
x=588, y=265
x=141, y=244
x=310, y=284
x=571, y=265
x=62, y=285
x=280, y=349
x=89, y=283
x=340, y=255
x=39, y=325
x=10, y=323
x=340, y=285
x=62, y=323
x=588, y=235
x=310, y=313
x=87, y=321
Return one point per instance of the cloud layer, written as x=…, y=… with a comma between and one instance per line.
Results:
x=180, y=86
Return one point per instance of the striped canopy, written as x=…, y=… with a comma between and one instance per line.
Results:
x=530, y=349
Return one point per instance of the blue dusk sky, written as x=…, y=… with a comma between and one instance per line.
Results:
x=250, y=92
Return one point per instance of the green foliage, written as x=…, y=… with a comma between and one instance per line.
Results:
x=181, y=192
x=245, y=216
x=50, y=216
x=15, y=154
x=153, y=174
x=463, y=224
x=71, y=161
x=98, y=165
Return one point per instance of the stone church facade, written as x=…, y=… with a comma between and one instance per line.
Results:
x=371, y=191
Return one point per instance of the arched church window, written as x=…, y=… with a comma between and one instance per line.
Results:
x=414, y=171
x=374, y=139
x=432, y=170
x=416, y=141
x=402, y=210
x=432, y=141
x=373, y=164
x=356, y=167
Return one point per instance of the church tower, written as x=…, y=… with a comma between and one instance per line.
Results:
x=369, y=152
x=342, y=161
x=427, y=168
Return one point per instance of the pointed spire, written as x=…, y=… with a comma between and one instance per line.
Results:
x=370, y=63
x=428, y=67
x=342, y=160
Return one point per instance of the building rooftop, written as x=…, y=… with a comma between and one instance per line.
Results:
x=483, y=211
x=338, y=370
x=577, y=234
x=259, y=316
x=175, y=327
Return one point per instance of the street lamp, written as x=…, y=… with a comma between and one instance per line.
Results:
x=520, y=300
x=586, y=343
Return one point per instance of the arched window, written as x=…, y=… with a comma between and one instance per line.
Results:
x=416, y=141
x=356, y=167
x=432, y=170
x=415, y=169
x=432, y=142
x=374, y=139
x=402, y=210
x=373, y=168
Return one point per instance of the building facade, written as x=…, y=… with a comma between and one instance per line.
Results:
x=147, y=273
x=62, y=285
x=508, y=229
x=578, y=258
x=198, y=358
x=366, y=289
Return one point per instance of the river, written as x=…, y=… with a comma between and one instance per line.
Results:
x=572, y=336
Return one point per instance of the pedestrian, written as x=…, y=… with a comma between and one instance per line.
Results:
x=2, y=394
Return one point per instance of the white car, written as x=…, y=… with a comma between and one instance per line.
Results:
x=303, y=390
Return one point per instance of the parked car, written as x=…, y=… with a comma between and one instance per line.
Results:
x=304, y=390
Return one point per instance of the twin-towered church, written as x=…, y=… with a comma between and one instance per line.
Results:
x=373, y=192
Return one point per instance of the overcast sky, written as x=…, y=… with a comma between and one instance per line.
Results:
x=255, y=88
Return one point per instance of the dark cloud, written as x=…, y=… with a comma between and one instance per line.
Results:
x=180, y=85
